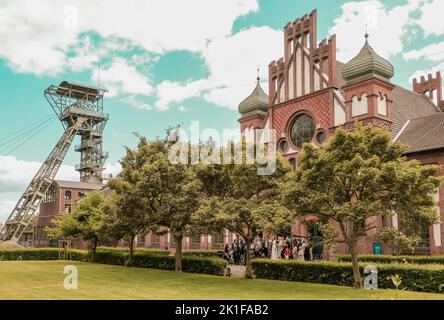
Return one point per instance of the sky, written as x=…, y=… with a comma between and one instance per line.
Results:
x=171, y=62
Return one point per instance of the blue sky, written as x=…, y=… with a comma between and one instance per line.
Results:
x=172, y=62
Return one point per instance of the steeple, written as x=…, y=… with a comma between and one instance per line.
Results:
x=256, y=102
x=367, y=65
x=368, y=90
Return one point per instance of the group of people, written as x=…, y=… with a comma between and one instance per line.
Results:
x=286, y=248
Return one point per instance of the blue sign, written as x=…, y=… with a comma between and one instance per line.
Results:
x=377, y=248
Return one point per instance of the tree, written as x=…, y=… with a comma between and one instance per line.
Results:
x=358, y=176
x=131, y=210
x=86, y=221
x=397, y=240
x=171, y=189
x=243, y=201
x=152, y=192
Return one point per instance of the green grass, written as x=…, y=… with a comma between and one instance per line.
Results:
x=44, y=280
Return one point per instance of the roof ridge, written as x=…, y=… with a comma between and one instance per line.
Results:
x=419, y=95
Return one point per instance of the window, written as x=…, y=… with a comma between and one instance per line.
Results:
x=50, y=196
x=68, y=208
x=302, y=130
x=321, y=137
x=141, y=239
x=195, y=242
x=155, y=240
x=68, y=195
x=218, y=240
x=81, y=194
x=283, y=146
x=425, y=237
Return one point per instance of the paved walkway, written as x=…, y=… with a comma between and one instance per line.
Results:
x=237, y=271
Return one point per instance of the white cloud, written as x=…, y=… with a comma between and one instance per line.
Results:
x=433, y=52
x=37, y=35
x=112, y=169
x=169, y=92
x=121, y=77
x=232, y=62
x=136, y=103
x=431, y=20
x=385, y=25
x=15, y=176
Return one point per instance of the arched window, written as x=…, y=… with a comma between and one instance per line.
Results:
x=302, y=130
x=68, y=195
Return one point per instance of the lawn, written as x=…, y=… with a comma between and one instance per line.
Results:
x=44, y=280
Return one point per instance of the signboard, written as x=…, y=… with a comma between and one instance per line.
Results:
x=377, y=248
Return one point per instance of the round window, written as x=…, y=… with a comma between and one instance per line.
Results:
x=321, y=137
x=283, y=146
x=302, y=130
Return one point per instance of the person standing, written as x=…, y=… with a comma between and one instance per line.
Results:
x=275, y=250
x=265, y=247
x=301, y=251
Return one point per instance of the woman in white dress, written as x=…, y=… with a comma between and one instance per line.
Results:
x=274, y=250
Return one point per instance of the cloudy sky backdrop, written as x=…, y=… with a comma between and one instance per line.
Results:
x=171, y=62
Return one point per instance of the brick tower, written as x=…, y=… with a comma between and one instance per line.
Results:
x=368, y=90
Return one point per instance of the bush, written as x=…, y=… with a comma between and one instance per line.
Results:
x=186, y=253
x=193, y=264
x=395, y=259
x=29, y=254
x=424, y=278
x=142, y=258
x=204, y=253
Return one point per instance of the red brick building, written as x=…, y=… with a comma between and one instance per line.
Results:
x=61, y=197
x=311, y=94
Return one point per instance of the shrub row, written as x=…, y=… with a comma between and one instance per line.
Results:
x=193, y=264
x=29, y=254
x=423, y=278
x=186, y=253
x=395, y=259
x=142, y=258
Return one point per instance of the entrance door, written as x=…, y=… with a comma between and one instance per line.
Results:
x=316, y=240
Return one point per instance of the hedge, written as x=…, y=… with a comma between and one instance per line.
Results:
x=29, y=254
x=423, y=278
x=204, y=253
x=395, y=259
x=112, y=256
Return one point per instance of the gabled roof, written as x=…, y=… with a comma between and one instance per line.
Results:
x=78, y=185
x=423, y=134
x=409, y=105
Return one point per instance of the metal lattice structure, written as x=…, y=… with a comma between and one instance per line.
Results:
x=80, y=109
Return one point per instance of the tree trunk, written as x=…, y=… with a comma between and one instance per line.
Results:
x=178, y=254
x=131, y=251
x=355, y=264
x=94, y=249
x=248, y=269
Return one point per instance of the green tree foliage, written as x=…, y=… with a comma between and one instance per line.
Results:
x=85, y=222
x=397, y=240
x=360, y=175
x=131, y=210
x=241, y=200
x=152, y=192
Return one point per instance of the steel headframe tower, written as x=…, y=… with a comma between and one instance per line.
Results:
x=80, y=109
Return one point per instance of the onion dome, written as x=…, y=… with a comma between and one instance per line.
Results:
x=257, y=102
x=366, y=65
